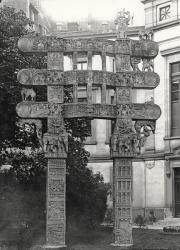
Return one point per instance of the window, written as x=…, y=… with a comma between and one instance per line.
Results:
x=164, y=13
x=82, y=65
x=175, y=99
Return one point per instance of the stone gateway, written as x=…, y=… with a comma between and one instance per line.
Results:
x=133, y=121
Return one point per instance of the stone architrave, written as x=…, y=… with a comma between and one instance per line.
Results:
x=133, y=121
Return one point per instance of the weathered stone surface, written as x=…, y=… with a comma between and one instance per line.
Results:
x=144, y=49
x=145, y=80
x=55, y=230
x=122, y=201
x=55, y=145
x=43, y=110
x=42, y=44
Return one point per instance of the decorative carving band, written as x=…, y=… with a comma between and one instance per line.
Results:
x=43, y=44
x=43, y=110
x=55, y=145
x=56, y=234
x=145, y=80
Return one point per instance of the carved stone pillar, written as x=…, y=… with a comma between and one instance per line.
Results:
x=90, y=77
x=122, y=179
x=89, y=56
x=122, y=154
x=103, y=90
x=122, y=57
x=75, y=86
x=55, y=148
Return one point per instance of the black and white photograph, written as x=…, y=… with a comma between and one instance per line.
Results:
x=89, y=124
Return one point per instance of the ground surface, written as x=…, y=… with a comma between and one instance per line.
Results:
x=143, y=239
x=100, y=239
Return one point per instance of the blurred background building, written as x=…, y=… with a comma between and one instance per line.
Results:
x=43, y=24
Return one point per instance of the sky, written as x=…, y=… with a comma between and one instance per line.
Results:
x=78, y=10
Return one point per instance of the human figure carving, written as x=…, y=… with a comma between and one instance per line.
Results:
x=28, y=94
x=134, y=63
x=122, y=22
x=148, y=65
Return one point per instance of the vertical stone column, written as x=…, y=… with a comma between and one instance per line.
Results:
x=122, y=57
x=90, y=77
x=103, y=91
x=122, y=152
x=122, y=179
x=56, y=173
x=75, y=86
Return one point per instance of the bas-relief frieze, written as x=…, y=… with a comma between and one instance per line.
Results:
x=44, y=110
x=55, y=145
x=55, y=234
x=56, y=210
x=144, y=49
x=56, y=188
x=123, y=212
x=56, y=94
x=124, y=185
x=54, y=77
x=123, y=95
x=124, y=232
x=123, y=198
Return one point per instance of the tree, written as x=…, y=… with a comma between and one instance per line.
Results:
x=13, y=25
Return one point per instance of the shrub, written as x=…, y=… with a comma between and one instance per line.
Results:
x=140, y=221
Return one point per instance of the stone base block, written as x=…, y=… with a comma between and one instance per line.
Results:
x=122, y=246
x=46, y=247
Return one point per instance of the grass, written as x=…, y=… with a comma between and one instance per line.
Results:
x=101, y=238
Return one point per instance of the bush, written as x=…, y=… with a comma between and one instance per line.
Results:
x=152, y=217
x=140, y=221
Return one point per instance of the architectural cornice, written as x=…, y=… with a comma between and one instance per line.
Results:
x=132, y=32
x=166, y=53
x=146, y=1
x=165, y=25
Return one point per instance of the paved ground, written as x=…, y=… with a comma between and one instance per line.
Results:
x=143, y=239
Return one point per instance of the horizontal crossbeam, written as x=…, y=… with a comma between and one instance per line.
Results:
x=136, y=111
x=44, y=44
x=134, y=79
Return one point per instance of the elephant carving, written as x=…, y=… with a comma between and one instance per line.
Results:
x=28, y=94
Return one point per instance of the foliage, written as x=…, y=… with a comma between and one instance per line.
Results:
x=152, y=217
x=140, y=220
x=86, y=193
x=13, y=25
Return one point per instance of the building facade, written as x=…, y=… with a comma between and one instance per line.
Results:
x=162, y=175
x=32, y=8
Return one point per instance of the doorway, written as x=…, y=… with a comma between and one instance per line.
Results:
x=177, y=191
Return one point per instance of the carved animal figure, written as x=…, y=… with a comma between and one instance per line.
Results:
x=134, y=63
x=148, y=65
x=28, y=94
x=145, y=34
